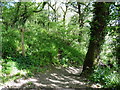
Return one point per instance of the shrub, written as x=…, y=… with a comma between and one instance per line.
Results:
x=109, y=78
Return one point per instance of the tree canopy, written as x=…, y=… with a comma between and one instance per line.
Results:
x=83, y=35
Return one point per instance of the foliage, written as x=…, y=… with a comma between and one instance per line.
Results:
x=48, y=42
x=109, y=78
x=42, y=49
x=10, y=43
x=107, y=75
x=10, y=71
x=46, y=49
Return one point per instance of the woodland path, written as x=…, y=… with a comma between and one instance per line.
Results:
x=58, y=78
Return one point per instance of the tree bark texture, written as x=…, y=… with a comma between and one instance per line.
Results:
x=98, y=32
x=118, y=37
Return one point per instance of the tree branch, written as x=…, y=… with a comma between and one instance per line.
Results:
x=43, y=5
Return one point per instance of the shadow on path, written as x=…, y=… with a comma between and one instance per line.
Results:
x=58, y=77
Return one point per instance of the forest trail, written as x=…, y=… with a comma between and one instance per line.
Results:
x=57, y=78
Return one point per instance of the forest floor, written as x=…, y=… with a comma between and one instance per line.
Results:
x=57, y=78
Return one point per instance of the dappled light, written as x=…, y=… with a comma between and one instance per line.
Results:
x=55, y=78
x=59, y=45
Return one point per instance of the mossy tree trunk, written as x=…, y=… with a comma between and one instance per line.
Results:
x=118, y=37
x=98, y=32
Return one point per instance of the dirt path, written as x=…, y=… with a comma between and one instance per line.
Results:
x=55, y=78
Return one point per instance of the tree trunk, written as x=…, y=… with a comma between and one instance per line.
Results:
x=48, y=17
x=64, y=14
x=59, y=54
x=80, y=21
x=0, y=42
x=118, y=37
x=17, y=14
x=98, y=32
x=54, y=10
x=22, y=42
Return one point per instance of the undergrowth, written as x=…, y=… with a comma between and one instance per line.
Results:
x=42, y=49
x=107, y=77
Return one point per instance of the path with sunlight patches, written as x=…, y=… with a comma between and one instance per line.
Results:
x=58, y=77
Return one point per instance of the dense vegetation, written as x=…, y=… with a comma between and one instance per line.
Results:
x=36, y=35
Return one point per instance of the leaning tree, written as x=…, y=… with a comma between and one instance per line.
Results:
x=97, y=36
